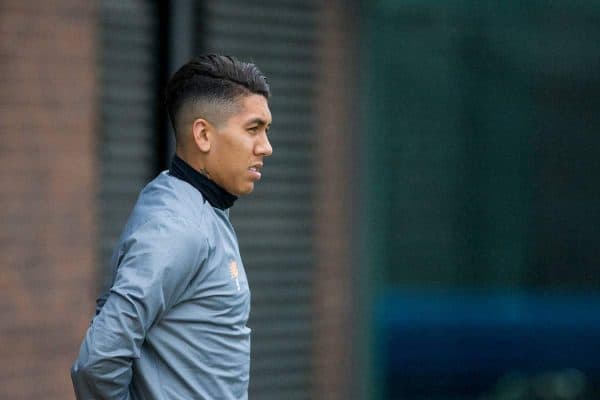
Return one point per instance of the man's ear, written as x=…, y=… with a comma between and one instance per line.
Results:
x=201, y=132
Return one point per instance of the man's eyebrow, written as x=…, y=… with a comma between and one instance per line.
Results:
x=258, y=121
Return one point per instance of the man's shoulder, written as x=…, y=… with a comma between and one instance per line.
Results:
x=170, y=202
x=163, y=230
x=168, y=193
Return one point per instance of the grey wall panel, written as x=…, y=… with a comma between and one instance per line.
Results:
x=128, y=80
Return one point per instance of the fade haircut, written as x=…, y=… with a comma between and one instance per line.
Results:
x=212, y=79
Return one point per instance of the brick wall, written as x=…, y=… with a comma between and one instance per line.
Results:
x=335, y=217
x=47, y=201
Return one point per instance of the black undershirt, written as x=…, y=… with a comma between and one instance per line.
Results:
x=213, y=193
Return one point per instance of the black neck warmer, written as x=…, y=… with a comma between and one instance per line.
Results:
x=213, y=193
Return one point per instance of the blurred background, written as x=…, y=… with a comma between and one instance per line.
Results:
x=427, y=227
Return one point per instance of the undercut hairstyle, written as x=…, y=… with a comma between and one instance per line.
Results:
x=212, y=79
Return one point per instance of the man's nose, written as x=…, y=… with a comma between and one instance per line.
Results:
x=264, y=148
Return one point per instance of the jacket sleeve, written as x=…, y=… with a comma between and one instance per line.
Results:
x=157, y=263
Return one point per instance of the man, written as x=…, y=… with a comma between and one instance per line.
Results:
x=172, y=324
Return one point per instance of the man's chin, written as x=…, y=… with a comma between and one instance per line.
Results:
x=245, y=190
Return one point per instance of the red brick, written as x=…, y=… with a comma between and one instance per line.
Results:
x=332, y=350
x=48, y=202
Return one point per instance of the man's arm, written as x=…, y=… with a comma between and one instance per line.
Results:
x=157, y=264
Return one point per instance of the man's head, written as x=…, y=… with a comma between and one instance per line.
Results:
x=219, y=110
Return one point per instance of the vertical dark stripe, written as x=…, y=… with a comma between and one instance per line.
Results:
x=129, y=76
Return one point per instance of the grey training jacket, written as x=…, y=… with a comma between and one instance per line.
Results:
x=172, y=324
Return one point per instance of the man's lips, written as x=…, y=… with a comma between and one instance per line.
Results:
x=255, y=170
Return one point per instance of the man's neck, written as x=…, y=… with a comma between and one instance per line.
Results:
x=213, y=193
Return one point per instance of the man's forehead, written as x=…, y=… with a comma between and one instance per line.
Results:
x=253, y=107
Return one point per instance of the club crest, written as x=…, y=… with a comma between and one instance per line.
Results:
x=233, y=269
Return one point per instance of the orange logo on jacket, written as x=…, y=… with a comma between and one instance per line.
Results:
x=233, y=269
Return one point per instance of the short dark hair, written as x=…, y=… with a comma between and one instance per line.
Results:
x=213, y=77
